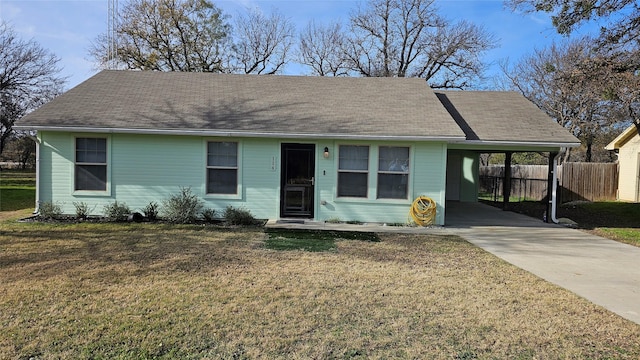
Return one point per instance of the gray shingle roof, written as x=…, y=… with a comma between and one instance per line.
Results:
x=375, y=107
x=294, y=105
x=502, y=116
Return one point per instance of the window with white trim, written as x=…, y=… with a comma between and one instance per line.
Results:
x=222, y=167
x=353, y=171
x=393, y=172
x=91, y=164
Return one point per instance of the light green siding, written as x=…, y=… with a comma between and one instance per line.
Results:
x=149, y=168
x=145, y=168
x=469, y=181
x=427, y=177
x=56, y=169
x=260, y=178
x=462, y=178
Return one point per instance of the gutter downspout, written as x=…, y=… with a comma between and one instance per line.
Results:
x=37, y=141
x=555, y=185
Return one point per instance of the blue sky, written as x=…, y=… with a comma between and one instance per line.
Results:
x=67, y=27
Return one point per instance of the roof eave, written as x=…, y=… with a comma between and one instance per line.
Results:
x=545, y=144
x=240, y=134
x=621, y=139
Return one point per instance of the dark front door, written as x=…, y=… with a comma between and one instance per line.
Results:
x=297, y=180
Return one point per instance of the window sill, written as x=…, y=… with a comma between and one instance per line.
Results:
x=222, y=196
x=371, y=200
x=99, y=193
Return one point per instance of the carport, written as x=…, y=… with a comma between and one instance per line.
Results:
x=495, y=122
x=476, y=214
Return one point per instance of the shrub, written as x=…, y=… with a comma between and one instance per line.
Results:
x=151, y=211
x=116, y=211
x=49, y=210
x=82, y=210
x=208, y=215
x=239, y=216
x=182, y=208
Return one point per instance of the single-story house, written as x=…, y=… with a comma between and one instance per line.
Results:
x=318, y=148
x=627, y=145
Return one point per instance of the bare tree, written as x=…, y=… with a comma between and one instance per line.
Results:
x=623, y=16
x=322, y=49
x=263, y=42
x=453, y=56
x=389, y=35
x=408, y=38
x=550, y=78
x=28, y=79
x=616, y=76
x=168, y=35
x=617, y=64
x=21, y=149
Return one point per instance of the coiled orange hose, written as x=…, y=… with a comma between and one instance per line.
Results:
x=423, y=211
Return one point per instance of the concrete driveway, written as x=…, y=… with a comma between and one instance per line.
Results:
x=602, y=271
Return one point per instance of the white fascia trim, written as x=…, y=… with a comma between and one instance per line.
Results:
x=614, y=144
x=519, y=143
x=250, y=134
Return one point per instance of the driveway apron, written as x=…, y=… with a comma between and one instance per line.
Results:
x=602, y=271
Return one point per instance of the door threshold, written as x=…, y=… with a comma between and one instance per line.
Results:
x=291, y=221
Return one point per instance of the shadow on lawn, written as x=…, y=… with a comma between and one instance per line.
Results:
x=44, y=253
x=591, y=215
x=312, y=240
x=588, y=215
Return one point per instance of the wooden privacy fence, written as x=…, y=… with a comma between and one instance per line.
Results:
x=528, y=182
x=576, y=181
x=588, y=181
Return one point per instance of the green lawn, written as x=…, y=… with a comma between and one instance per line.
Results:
x=611, y=219
x=17, y=190
x=154, y=291
x=311, y=240
x=605, y=214
x=626, y=235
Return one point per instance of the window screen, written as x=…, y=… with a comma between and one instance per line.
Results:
x=91, y=164
x=222, y=167
x=393, y=172
x=353, y=171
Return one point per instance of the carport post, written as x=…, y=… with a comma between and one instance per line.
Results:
x=547, y=218
x=506, y=183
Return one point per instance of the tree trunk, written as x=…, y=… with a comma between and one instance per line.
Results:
x=567, y=156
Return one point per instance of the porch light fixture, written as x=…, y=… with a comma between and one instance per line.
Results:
x=326, y=152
